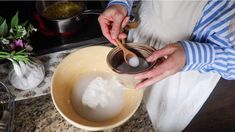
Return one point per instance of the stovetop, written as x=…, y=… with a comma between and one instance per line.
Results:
x=90, y=33
x=44, y=44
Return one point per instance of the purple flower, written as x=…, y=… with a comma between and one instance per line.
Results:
x=12, y=45
x=19, y=43
x=28, y=48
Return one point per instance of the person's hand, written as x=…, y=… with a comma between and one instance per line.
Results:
x=174, y=62
x=112, y=20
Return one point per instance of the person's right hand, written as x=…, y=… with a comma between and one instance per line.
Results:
x=112, y=20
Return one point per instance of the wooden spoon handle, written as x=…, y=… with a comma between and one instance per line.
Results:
x=120, y=44
x=124, y=49
x=123, y=41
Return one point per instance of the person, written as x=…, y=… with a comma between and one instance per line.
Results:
x=196, y=39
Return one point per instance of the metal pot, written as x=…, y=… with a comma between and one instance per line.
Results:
x=67, y=22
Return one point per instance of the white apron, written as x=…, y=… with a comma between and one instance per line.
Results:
x=173, y=102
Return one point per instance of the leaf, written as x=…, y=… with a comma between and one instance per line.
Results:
x=20, y=52
x=3, y=29
x=25, y=23
x=15, y=20
x=19, y=32
x=1, y=20
x=10, y=37
x=4, y=53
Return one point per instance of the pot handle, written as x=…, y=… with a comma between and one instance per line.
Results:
x=88, y=12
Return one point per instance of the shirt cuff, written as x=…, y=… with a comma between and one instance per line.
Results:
x=199, y=56
x=126, y=3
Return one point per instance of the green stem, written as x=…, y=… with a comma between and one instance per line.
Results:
x=16, y=56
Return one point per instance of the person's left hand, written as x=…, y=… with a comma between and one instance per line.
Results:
x=174, y=62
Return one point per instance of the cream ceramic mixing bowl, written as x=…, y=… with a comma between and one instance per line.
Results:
x=88, y=61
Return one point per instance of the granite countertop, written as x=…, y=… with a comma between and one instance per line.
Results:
x=39, y=114
x=35, y=110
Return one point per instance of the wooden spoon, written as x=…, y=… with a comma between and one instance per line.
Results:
x=130, y=58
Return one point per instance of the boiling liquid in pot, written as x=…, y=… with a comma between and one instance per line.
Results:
x=62, y=10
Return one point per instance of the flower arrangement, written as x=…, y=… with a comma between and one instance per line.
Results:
x=14, y=39
x=28, y=72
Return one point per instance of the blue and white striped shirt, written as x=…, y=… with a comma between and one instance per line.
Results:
x=210, y=48
x=127, y=3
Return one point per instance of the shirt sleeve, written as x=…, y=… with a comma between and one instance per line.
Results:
x=210, y=57
x=127, y=3
x=211, y=48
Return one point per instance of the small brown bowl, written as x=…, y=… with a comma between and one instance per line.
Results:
x=116, y=61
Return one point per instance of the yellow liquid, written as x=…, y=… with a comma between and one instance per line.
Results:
x=62, y=10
